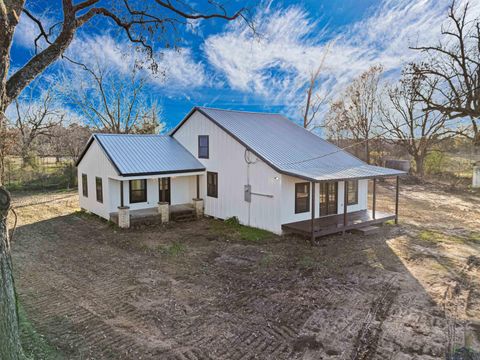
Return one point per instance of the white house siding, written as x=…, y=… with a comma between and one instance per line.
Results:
x=95, y=164
x=288, y=199
x=227, y=158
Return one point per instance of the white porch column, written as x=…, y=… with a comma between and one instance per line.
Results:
x=124, y=217
x=164, y=211
x=198, y=205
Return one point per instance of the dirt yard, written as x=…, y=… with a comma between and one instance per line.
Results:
x=208, y=290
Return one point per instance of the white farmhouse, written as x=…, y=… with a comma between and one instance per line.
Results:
x=261, y=168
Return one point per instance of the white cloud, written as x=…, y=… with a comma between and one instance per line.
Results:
x=177, y=69
x=277, y=65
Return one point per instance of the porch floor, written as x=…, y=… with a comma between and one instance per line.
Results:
x=334, y=223
x=151, y=214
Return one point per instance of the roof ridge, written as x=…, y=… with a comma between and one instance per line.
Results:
x=143, y=135
x=240, y=111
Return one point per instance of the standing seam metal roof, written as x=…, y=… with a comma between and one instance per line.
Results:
x=146, y=154
x=289, y=148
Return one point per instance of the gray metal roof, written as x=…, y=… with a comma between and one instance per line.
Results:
x=147, y=154
x=291, y=149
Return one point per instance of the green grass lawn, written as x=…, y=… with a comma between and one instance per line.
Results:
x=231, y=228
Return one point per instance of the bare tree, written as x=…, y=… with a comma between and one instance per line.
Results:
x=113, y=103
x=35, y=118
x=314, y=100
x=408, y=124
x=452, y=69
x=143, y=22
x=355, y=113
x=66, y=140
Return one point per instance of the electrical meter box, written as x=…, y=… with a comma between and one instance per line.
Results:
x=248, y=193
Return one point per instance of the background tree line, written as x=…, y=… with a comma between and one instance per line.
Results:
x=436, y=100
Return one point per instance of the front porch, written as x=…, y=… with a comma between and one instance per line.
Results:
x=180, y=212
x=335, y=223
x=342, y=221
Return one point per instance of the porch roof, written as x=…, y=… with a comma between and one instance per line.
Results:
x=136, y=155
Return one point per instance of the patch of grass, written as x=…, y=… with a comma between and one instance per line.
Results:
x=436, y=237
x=231, y=228
x=35, y=345
x=474, y=236
x=390, y=222
x=174, y=249
x=427, y=235
x=306, y=262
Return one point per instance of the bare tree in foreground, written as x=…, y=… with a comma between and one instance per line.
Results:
x=354, y=115
x=35, y=119
x=453, y=71
x=114, y=104
x=142, y=22
x=406, y=122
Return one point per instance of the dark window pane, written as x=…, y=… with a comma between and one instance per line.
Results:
x=302, y=197
x=212, y=184
x=352, y=196
x=138, y=191
x=84, y=185
x=203, y=147
x=99, y=189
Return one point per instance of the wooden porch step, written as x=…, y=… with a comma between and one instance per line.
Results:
x=183, y=215
x=368, y=230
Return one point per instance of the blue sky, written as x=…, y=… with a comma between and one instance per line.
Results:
x=223, y=65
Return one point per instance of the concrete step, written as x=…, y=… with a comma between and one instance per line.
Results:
x=368, y=230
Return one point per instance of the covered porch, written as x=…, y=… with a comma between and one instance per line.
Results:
x=181, y=212
x=156, y=198
x=316, y=227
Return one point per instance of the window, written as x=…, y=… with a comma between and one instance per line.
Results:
x=84, y=185
x=99, y=189
x=352, y=190
x=203, y=150
x=212, y=184
x=302, y=197
x=138, y=191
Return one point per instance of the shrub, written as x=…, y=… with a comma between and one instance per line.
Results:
x=232, y=221
x=434, y=162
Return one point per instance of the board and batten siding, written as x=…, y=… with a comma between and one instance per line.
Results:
x=288, y=199
x=227, y=158
x=95, y=164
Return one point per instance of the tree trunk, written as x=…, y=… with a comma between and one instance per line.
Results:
x=419, y=165
x=10, y=346
x=367, y=150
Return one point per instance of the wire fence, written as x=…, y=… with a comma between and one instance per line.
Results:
x=20, y=200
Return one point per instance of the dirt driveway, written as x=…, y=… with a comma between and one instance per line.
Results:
x=199, y=291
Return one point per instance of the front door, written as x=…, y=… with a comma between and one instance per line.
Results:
x=328, y=198
x=164, y=190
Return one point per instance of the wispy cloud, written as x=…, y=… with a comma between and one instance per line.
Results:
x=177, y=70
x=277, y=65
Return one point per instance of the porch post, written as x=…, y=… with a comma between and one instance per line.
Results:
x=345, y=201
x=396, y=199
x=312, y=226
x=198, y=186
x=121, y=193
x=374, y=197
